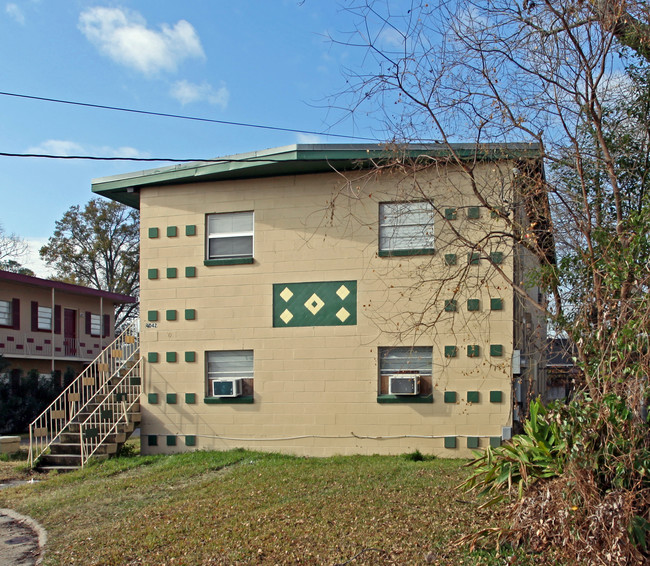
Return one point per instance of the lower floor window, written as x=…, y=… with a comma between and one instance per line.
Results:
x=405, y=371
x=229, y=373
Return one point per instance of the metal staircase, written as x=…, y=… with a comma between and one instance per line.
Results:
x=96, y=413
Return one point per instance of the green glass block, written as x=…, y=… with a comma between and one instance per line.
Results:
x=171, y=440
x=152, y=440
x=450, y=396
x=473, y=304
x=171, y=357
x=190, y=272
x=190, y=398
x=473, y=258
x=473, y=212
x=152, y=357
x=473, y=351
x=170, y=315
x=450, y=259
x=190, y=440
x=171, y=398
x=451, y=351
x=172, y=231
x=152, y=274
x=451, y=214
x=496, y=257
x=190, y=314
x=153, y=232
x=152, y=398
x=472, y=442
x=450, y=305
x=496, y=350
x=190, y=356
x=190, y=230
x=498, y=210
x=152, y=316
x=495, y=441
x=472, y=397
x=496, y=396
x=450, y=442
x=172, y=273
x=496, y=304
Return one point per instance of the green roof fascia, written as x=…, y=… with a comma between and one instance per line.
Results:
x=295, y=160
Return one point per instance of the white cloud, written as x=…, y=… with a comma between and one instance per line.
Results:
x=309, y=139
x=66, y=148
x=15, y=12
x=186, y=93
x=123, y=36
x=33, y=260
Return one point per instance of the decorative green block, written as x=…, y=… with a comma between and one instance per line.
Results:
x=495, y=441
x=472, y=397
x=450, y=442
x=190, y=356
x=473, y=212
x=170, y=315
x=119, y=397
x=171, y=440
x=496, y=396
x=190, y=272
x=171, y=398
x=190, y=314
x=171, y=357
x=496, y=304
x=172, y=231
x=135, y=381
x=152, y=440
x=498, y=211
x=496, y=350
x=451, y=351
x=450, y=305
x=496, y=257
x=152, y=357
x=450, y=396
x=153, y=232
x=473, y=304
x=190, y=440
x=472, y=442
x=152, y=398
x=451, y=214
x=190, y=398
x=152, y=274
x=172, y=273
x=450, y=259
x=473, y=351
x=473, y=258
x=152, y=316
x=106, y=414
x=190, y=230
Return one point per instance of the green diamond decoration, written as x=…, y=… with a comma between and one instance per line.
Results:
x=320, y=303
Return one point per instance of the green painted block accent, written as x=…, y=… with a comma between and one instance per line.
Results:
x=496, y=304
x=152, y=316
x=190, y=356
x=496, y=257
x=153, y=232
x=135, y=381
x=321, y=303
x=152, y=398
x=473, y=212
x=106, y=414
x=473, y=351
x=170, y=357
x=172, y=231
x=450, y=396
x=233, y=261
x=496, y=396
x=451, y=351
x=170, y=315
x=497, y=211
x=472, y=442
x=190, y=230
x=171, y=398
x=190, y=314
x=387, y=399
x=92, y=432
x=152, y=357
x=172, y=273
x=450, y=259
x=171, y=440
x=496, y=350
x=152, y=440
x=243, y=400
x=450, y=442
x=473, y=304
x=152, y=274
x=472, y=397
x=190, y=440
x=473, y=258
x=190, y=272
x=451, y=214
x=190, y=398
x=450, y=305
x=495, y=441
x=404, y=253
x=119, y=397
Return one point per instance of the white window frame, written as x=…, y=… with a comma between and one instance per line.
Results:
x=44, y=318
x=96, y=324
x=406, y=359
x=6, y=314
x=398, y=221
x=210, y=236
x=230, y=364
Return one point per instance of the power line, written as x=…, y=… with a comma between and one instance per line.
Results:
x=181, y=117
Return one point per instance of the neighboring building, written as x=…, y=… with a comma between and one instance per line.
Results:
x=562, y=372
x=298, y=300
x=50, y=326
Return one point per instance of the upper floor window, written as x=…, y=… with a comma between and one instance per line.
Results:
x=6, y=317
x=405, y=228
x=96, y=325
x=44, y=318
x=229, y=237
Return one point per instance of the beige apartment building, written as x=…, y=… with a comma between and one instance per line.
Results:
x=336, y=299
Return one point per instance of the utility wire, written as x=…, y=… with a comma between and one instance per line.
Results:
x=181, y=117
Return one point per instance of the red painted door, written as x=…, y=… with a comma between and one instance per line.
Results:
x=70, y=332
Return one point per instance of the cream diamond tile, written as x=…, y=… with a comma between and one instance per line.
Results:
x=286, y=316
x=286, y=294
x=342, y=315
x=343, y=292
x=314, y=304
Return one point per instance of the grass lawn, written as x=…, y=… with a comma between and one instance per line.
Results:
x=241, y=507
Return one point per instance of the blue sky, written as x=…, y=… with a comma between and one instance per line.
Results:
x=266, y=62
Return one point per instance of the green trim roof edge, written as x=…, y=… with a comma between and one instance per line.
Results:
x=296, y=160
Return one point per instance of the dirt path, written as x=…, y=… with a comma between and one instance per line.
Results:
x=21, y=540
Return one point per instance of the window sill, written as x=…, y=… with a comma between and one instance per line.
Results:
x=230, y=261
x=402, y=253
x=242, y=400
x=404, y=399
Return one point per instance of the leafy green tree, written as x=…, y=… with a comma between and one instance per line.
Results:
x=14, y=267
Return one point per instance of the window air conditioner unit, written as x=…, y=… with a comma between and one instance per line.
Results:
x=227, y=387
x=404, y=384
